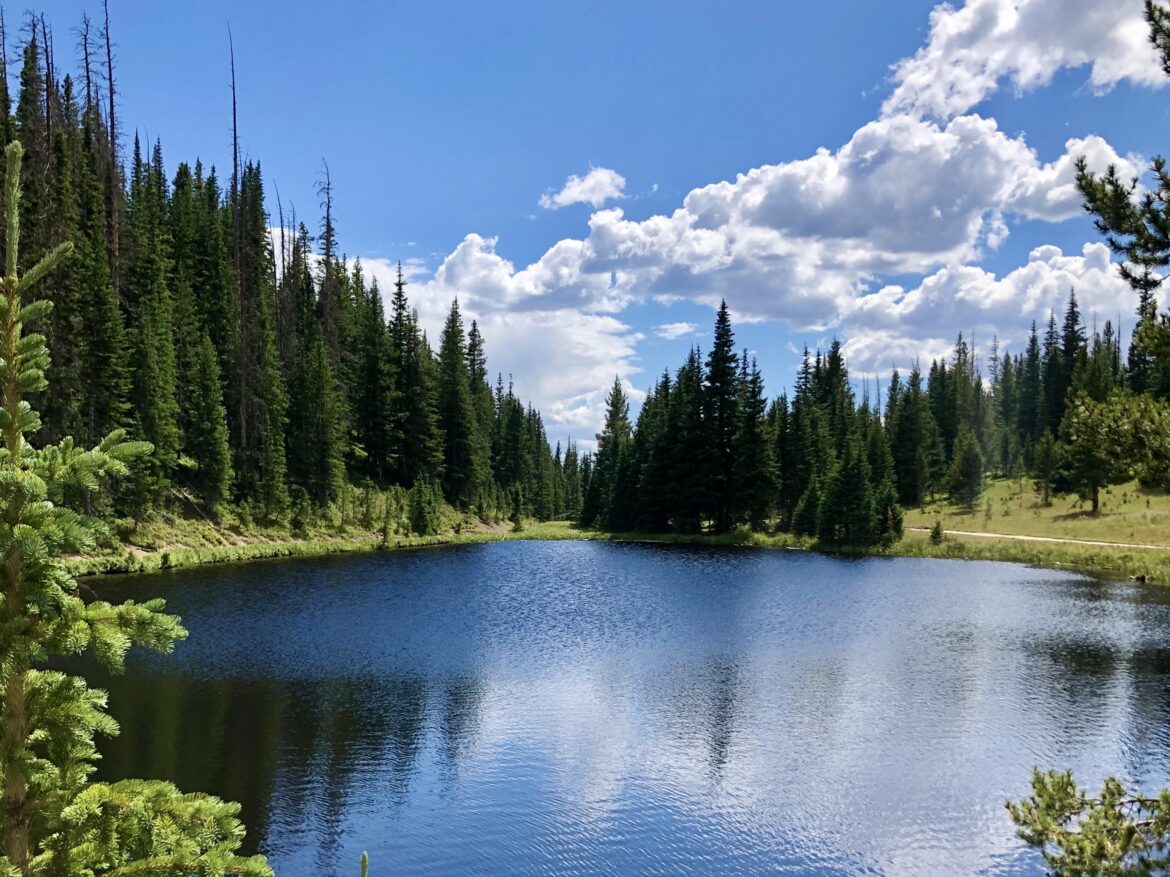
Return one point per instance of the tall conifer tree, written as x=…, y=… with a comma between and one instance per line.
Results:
x=720, y=398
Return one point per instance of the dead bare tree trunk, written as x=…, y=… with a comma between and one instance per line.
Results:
x=237, y=247
x=113, y=181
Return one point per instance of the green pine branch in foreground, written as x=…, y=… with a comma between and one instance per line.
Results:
x=53, y=820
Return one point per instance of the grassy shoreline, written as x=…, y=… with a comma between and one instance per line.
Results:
x=1151, y=565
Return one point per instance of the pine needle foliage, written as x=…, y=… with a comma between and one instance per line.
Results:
x=53, y=820
x=1117, y=833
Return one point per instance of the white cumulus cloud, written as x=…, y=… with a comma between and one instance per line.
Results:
x=798, y=240
x=972, y=48
x=595, y=188
x=894, y=325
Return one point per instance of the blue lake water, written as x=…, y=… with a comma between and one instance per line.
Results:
x=588, y=708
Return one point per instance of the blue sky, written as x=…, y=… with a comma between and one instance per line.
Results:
x=944, y=163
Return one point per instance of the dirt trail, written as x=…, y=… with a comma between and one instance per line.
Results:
x=1047, y=539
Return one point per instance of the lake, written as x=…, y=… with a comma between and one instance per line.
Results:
x=589, y=708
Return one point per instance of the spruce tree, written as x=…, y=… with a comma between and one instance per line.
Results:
x=32, y=129
x=753, y=467
x=656, y=445
x=260, y=398
x=372, y=390
x=1053, y=381
x=1032, y=423
x=720, y=397
x=1140, y=364
x=153, y=338
x=965, y=478
x=67, y=387
x=1045, y=465
x=572, y=470
x=1100, y=445
x=55, y=820
x=206, y=432
x=780, y=426
x=686, y=437
x=914, y=441
x=415, y=440
x=104, y=355
x=465, y=463
x=318, y=437
x=847, y=514
x=612, y=443
x=804, y=516
x=481, y=391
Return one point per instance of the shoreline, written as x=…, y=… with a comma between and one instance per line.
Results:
x=1105, y=560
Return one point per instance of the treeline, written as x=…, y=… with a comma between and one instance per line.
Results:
x=709, y=452
x=266, y=374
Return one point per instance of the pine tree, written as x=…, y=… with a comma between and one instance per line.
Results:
x=415, y=441
x=812, y=447
x=572, y=469
x=32, y=129
x=612, y=443
x=1100, y=445
x=317, y=439
x=214, y=286
x=67, y=387
x=913, y=442
x=1053, y=381
x=783, y=454
x=152, y=315
x=753, y=469
x=485, y=414
x=1096, y=373
x=1045, y=464
x=719, y=410
x=103, y=354
x=372, y=393
x=1072, y=354
x=1141, y=366
x=56, y=820
x=465, y=463
x=260, y=398
x=888, y=528
x=686, y=445
x=206, y=433
x=965, y=479
x=847, y=514
x=804, y=517
x=1031, y=418
x=655, y=445
x=1006, y=403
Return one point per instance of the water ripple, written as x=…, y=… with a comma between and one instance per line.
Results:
x=582, y=708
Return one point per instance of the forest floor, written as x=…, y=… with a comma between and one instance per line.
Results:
x=1129, y=538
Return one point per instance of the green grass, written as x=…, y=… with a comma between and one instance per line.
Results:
x=1128, y=514
x=1117, y=563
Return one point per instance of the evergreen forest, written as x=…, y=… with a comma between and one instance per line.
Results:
x=275, y=382
x=279, y=385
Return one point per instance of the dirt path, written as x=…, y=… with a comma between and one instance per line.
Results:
x=1047, y=539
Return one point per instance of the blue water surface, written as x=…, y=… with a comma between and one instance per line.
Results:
x=577, y=708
